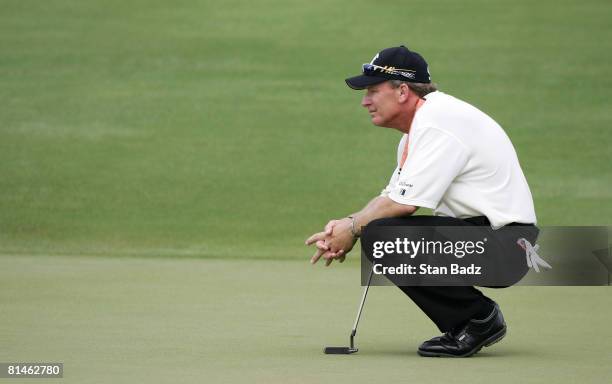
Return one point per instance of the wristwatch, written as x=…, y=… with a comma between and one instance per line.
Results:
x=353, y=231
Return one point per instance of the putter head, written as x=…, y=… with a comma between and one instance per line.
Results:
x=339, y=350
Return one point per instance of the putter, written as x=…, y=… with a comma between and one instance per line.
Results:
x=351, y=348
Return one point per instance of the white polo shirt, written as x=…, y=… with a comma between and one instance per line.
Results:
x=461, y=164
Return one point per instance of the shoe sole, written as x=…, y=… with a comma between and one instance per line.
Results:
x=486, y=343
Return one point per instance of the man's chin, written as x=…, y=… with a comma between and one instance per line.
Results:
x=377, y=122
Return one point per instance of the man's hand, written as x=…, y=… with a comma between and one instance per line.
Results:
x=334, y=242
x=320, y=239
x=337, y=239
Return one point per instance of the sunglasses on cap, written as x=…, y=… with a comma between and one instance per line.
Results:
x=372, y=69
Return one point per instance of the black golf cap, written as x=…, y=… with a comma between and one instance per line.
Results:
x=396, y=63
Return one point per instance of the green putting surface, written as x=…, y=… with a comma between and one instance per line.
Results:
x=226, y=321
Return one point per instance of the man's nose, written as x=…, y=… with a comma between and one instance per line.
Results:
x=365, y=101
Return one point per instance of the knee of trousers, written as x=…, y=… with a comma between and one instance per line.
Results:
x=388, y=222
x=383, y=222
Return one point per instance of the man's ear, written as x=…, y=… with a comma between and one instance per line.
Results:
x=404, y=93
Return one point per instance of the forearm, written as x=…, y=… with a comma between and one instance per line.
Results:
x=378, y=208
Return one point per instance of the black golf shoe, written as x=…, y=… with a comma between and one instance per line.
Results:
x=469, y=339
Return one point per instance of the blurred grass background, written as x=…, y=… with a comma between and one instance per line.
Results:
x=224, y=130
x=199, y=128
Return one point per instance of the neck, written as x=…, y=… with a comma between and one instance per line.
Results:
x=406, y=123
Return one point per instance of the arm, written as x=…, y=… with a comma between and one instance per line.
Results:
x=378, y=208
x=436, y=159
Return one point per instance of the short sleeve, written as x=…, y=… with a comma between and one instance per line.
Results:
x=435, y=158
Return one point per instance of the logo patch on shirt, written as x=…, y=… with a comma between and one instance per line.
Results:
x=402, y=192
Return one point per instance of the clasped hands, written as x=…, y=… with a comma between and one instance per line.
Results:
x=334, y=242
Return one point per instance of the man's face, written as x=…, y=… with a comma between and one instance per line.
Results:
x=381, y=101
